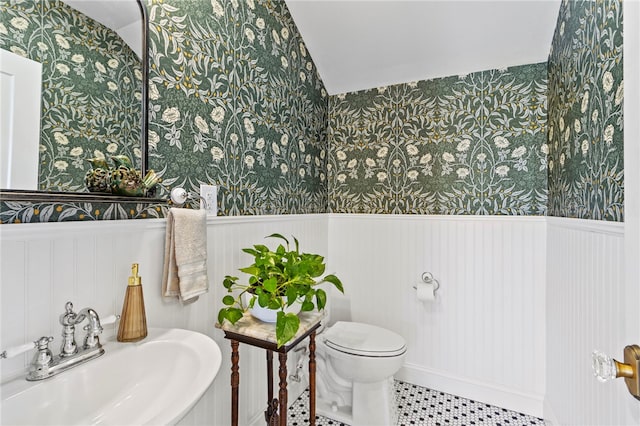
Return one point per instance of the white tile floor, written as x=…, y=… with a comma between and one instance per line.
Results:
x=422, y=406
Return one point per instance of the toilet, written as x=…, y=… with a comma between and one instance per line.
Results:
x=355, y=367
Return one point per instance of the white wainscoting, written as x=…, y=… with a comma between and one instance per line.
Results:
x=484, y=335
x=585, y=310
x=45, y=265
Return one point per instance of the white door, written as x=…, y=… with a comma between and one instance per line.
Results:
x=20, y=89
x=629, y=327
x=631, y=13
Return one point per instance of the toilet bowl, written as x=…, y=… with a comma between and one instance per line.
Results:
x=355, y=367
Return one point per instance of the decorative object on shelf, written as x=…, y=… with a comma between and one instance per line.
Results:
x=97, y=179
x=121, y=161
x=277, y=280
x=124, y=179
x=127, y=180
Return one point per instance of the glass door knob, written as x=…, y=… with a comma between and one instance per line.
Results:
x=606, y=368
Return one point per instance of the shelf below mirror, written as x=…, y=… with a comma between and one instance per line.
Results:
x=96, y=197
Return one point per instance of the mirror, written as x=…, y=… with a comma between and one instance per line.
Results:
x=93, y=97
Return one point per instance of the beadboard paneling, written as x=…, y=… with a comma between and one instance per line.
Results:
x=585, y=310
x=483, y=336
x=45, y=265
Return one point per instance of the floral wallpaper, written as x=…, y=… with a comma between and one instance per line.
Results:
x=469, y=144
x=586, y=89
x=91, y=96
x=31, y=212
x=236, y=101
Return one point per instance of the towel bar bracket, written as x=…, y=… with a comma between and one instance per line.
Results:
x=180, y=195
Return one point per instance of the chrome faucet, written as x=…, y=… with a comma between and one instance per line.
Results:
x=70, y=355
x=93, y=329
x=69, y=320
x=45, y=365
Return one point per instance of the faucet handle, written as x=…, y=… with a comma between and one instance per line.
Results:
x=69, y=317
x=41, y=343
x=17, y=350
x=111, y=319
x=42, y=360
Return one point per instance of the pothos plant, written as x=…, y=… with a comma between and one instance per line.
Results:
x=278, y=279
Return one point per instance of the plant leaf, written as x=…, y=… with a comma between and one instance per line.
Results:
x=251, y=251
x=270, y=285
x=307, y=306
x=292, y=295
x=251, y=270
x=261, y=248
x=275, y=303
x=321, y=298
x=229, y=281
x=234, y=314
x=230, y=314
x=335, y=281
x=228, y=300
x=278, y=236
x=286, y=327
x=264, y=299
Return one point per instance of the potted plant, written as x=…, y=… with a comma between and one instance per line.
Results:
x=277, y=280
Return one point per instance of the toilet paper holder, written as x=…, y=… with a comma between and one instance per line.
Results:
x=427, y=278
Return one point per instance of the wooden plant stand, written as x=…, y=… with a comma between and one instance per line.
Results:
x=253, y=332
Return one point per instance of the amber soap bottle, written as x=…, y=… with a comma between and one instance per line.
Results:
x=133, y=321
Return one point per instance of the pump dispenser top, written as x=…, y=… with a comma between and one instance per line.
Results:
x=135, y=279
x=133, y=321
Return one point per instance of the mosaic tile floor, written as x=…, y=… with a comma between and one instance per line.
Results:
x=422, y=406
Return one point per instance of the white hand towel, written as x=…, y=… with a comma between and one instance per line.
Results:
x=185, y=255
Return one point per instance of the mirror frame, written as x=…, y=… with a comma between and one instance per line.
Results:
x=53, y=196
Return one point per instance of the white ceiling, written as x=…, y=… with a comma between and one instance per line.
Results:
x=362, y=44
x=122, y=16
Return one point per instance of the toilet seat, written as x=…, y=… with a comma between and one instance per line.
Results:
x=365, y=340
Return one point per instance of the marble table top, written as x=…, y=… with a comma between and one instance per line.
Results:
x=249, y=326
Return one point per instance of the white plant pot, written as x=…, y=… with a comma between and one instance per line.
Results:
x=270, y=315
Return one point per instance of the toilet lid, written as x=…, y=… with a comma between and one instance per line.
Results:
x=364, y=340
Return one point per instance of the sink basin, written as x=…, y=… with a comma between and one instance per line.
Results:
x=154, y=381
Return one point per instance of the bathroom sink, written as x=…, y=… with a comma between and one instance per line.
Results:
x=154, y=381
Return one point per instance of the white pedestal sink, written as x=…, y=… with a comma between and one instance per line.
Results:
x=155, y=381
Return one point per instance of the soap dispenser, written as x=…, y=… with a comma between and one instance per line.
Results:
x=133, y=321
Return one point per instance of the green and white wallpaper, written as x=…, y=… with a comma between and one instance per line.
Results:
x=586, y=88
x=91, y=88
x=236, y=101
x=469, y=144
